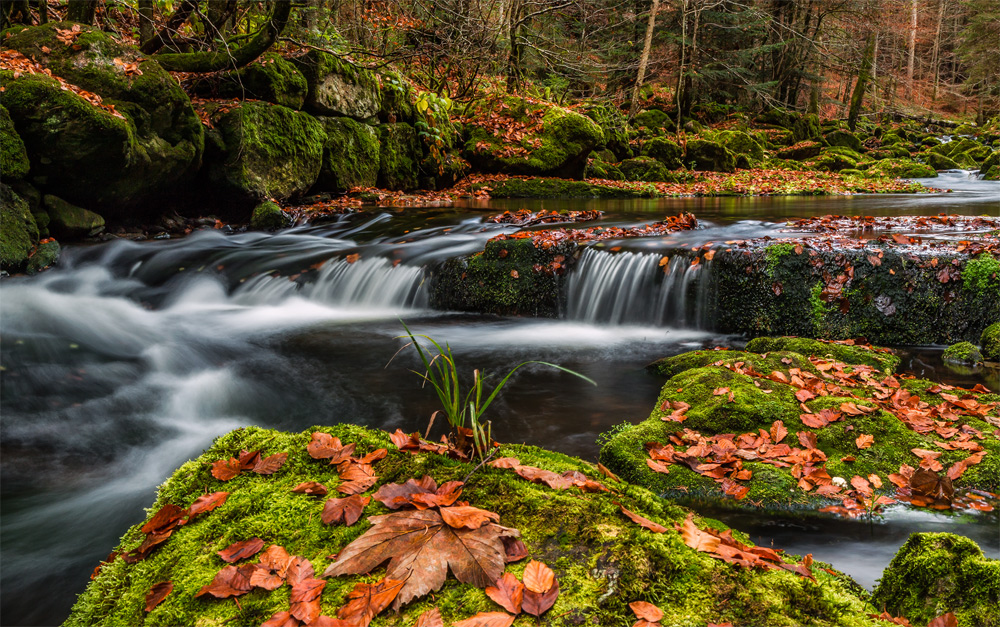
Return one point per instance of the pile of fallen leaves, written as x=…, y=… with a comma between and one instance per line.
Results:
x=721, y=457
x=552, y=237
x=21, y=65
x=516, y=135
x=525, y=217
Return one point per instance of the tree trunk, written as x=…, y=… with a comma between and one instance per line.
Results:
x=515, y=15
x=232, y=59
x=181, y=14
x=644, y=59
x=81, y=11
x=913, y=49
x=864, y=75
x=679, y=91
x=145, y=21
x=936, y=57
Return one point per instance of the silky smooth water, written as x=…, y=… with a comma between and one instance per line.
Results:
x=129, y=358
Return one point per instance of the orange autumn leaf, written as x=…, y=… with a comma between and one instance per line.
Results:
x=240, y=550
x=366, y=601
x=646, y=611
x=864, y=441
x=157, y=593
x=538, y=577
x=641, y=521
x=507, y=593
x=487, y=619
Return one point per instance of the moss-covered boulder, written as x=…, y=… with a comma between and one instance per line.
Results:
x=68, y=221
x=399, y=156
x=847, y=139
x=989, y=342
x=737, y=395
x=835, y=159
x=884, y=360
x=271, y=78
x=665, y=151
x=963, y=353
x=265, y=151
x=18, y=232
x=941, y=162
x=396, y=102
x=645, y=169
x=653, y=119
x=993, y=174
x=350, y=156
x=936, y=573
x=807, y=128
x=747, y=150
x=46, y=255
x=903, y=169
x=801, y=150
x=993, y=159
x=337, y=87
x=560, y=148
x=601, y=560
x=614, y=129
x=268, y=216
x=158, y=143
x=781, y=118
x=600, y=169
x=14, y=163
x=709, y=156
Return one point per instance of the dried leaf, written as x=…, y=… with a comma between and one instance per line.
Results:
x=345, y=511
x=430, y=618
x=696, y=538
x=304, y=601
x=864, y=441
x=207, y=503
x=366, y=601
x=945, y=620
x=646, y=611
x=312, y=488
x=538, y=577
x=226, y=469
x=157, y=593
x=644, y=522
x=231, y=581
x=270, y=465
x=165, y=519
x=241, y=550
x=281, y=619
x=507, y=593
x=467, y=516
x=324, y=446
x=537, y=603
x=487, y=619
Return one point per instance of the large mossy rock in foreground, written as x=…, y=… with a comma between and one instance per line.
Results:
x=264, y=151
x=937, y=572
x=158, y=146
x=602, y=561
x=560, y=148
x=745, y=392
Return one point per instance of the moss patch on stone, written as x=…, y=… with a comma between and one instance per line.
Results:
x=350, y=156
x=602, y=560
x=557, y=188
x=886, y=362
x=934, y=573
x=989, y=342
x=962, y=353
x=399, y=156
x=18, y=232
x=13, y=157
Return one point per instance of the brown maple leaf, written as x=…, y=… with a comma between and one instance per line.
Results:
x=420, y=548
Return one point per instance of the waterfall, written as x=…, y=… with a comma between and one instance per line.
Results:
x=366, y=283
x=632, y=288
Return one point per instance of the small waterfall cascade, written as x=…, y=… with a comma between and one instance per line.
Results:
x=638, y=289
x=365, y=283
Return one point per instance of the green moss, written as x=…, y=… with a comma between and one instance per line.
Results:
x=774, y=253
x=558, y=188
x=614, y=129
x=982, y=275
x=270, y=152
x=271, y=78
x=993, y=174
x=935, y=573
x=350, y=156
x=843, y=138
x=646, y=169
x=602, y=560
x=268, y=216
x=884, y=361
x=18, y=232
x=962, y=353
x=708, y=155
x=941, y=162
x=68, y=220
x=653, y=119
x=337, y=87
x=775, y=360
x=13, y=157
x=818, y=307
x=399, y=156
x=900, y=168
x=990, y=342
x=741, y=144
x=665, y=151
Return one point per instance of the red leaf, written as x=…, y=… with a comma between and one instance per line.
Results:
x=367, y=600
x=507, y=593
x=536, y=603
x=240, y=550
x=514, y=549
x=304, y=601
x=157, y=593
x=226, y=469
x=207, y=503
x=165, y=519
x=344, y=511
x=646, y=611
x=945, y=620
x=643, y=522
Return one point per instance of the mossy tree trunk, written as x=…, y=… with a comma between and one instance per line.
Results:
x=244, y=55
x=864, y=76
x=82, y=11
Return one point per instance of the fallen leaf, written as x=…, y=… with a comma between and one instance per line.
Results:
x=304, y=600
x=945, y=620
x=864, y=441
x=157, y=593
x=226, y=469
x=324, y=446
x=241, y=550
x=366, y=601
x=231, y=581
x=312, y=488
x=646, y=611
x=281, y=619
x=345, y=511
x=696, y=538
x=270, y=465
x=643, y=522
x=430, y=618
x=467, y=516
x=487, y=619
x=507, y=593
x=538, y=577
x=207, y=503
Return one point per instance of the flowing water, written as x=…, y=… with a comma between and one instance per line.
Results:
x=130, y=358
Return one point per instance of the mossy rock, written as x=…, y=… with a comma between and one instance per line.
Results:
x=991, y=160
x=665, y=151
x=46, y=255
x=989, y=343
x=963, y=353
x=267, y=152
x=350, y=156
x=560, y=149
x=752, y=403
x=18, y=232
x=993, y=174
x=653, y=119
x=557, y=188
x=397, y=98
x=84, y=153
x=399, y=157
x=801, y=150
x=885, y=361
x=338, y=88
x=69, y=221
x=645, y=169
x=941, y=162
x=602, y=560
x=614, y=129
x=847, y=139
x=956, y=146
x=898, y=168
x=710, y=156
x=777, y=117
x=14, y=163
x=981, y=275
x=271, y=78
x=807, y=128
x=600, y=169
x=268, y=216
x=833, y=161
x=167, y=135
x=741, y=144
x=936, y=573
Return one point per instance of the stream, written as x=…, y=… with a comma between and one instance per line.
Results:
x=130, y=357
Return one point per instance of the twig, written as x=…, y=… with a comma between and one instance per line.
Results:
x=485, y=459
